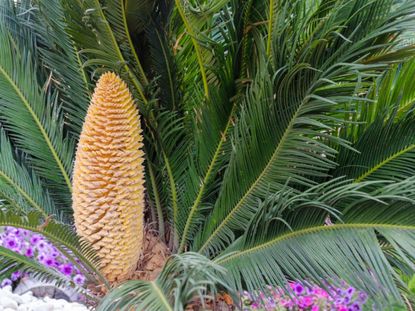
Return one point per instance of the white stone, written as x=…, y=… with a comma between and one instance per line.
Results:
x=59, y=304
x=41, y=306
x=27, y=298
x=10, y=301
x=16, y=298
x=7, y=302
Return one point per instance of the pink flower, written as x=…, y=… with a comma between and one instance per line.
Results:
x=306, y=301
x=315, y=308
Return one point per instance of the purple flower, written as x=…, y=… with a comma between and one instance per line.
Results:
x=298, y=288
x=12, y=243
x=16, y=275
x=79, y=279
x=350, y=291
x=356, y=307
x=6, y=282
x=34, y=239
x=50, y=262
x=41, y=245
x=362, y=297
x=29, y=252
x=66, y=269
x=54, y=254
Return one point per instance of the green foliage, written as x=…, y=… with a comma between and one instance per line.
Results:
x=62, y=237
x=185, y=278
x=278, y=135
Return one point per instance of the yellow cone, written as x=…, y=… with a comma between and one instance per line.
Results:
x=108, y=181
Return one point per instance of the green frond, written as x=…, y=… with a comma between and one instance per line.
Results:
x=163, y=64
x=184, y=278
x=61, y=56
x=385, y=151
x=31, y=114
x=211, y=128
x=13, y=259
x=138, y=14
x=305, y=248
x=63, y=238
x=23, y=190
x=193, y=54
x=169, y=158
x=116, y=14
x=96, y=31
x=382, y=133
x=284, y=131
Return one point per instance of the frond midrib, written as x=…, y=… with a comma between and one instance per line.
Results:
x=384, y=162
x=40, y=126
x=11, y=182
x=163, y=298
x=59, y=244
x=311, y=230
x=192, y=34
x=130, y=42
x=136, y=83
x=270, y=26
x=254, y=184
x=206, y=178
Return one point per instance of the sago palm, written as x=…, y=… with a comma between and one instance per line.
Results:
x=278, y=141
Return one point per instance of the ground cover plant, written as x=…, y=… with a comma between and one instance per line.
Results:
x=257, y=143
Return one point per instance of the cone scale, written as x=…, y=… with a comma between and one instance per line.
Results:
x=108, y=181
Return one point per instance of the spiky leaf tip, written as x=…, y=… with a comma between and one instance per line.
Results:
x=108, y=180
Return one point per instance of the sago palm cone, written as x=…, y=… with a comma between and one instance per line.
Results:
x=108, y=181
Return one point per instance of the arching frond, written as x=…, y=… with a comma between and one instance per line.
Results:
x=184, y=278
x=383, y=130
x=284, y=132
x=63, y=238
x=102, y=35
x=61, y=56
x=349, y=249
x=21, y=189
x=31, y=114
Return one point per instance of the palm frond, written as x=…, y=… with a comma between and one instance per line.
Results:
x=284, y=130
x=95, y=31
x=61, y=57
x=349, y=249
x=382, y=131
x=63, y=238
x=184, y=278
x=386, y=151
x=13, y=259
x=138, y=14
x=22, y=189
x=31, y=115
x=116, y=13
x=163, y=65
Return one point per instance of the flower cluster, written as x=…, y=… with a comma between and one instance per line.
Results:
x=37, y=247
x=306, y=298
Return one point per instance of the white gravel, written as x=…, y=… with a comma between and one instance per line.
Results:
x=10, y=301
